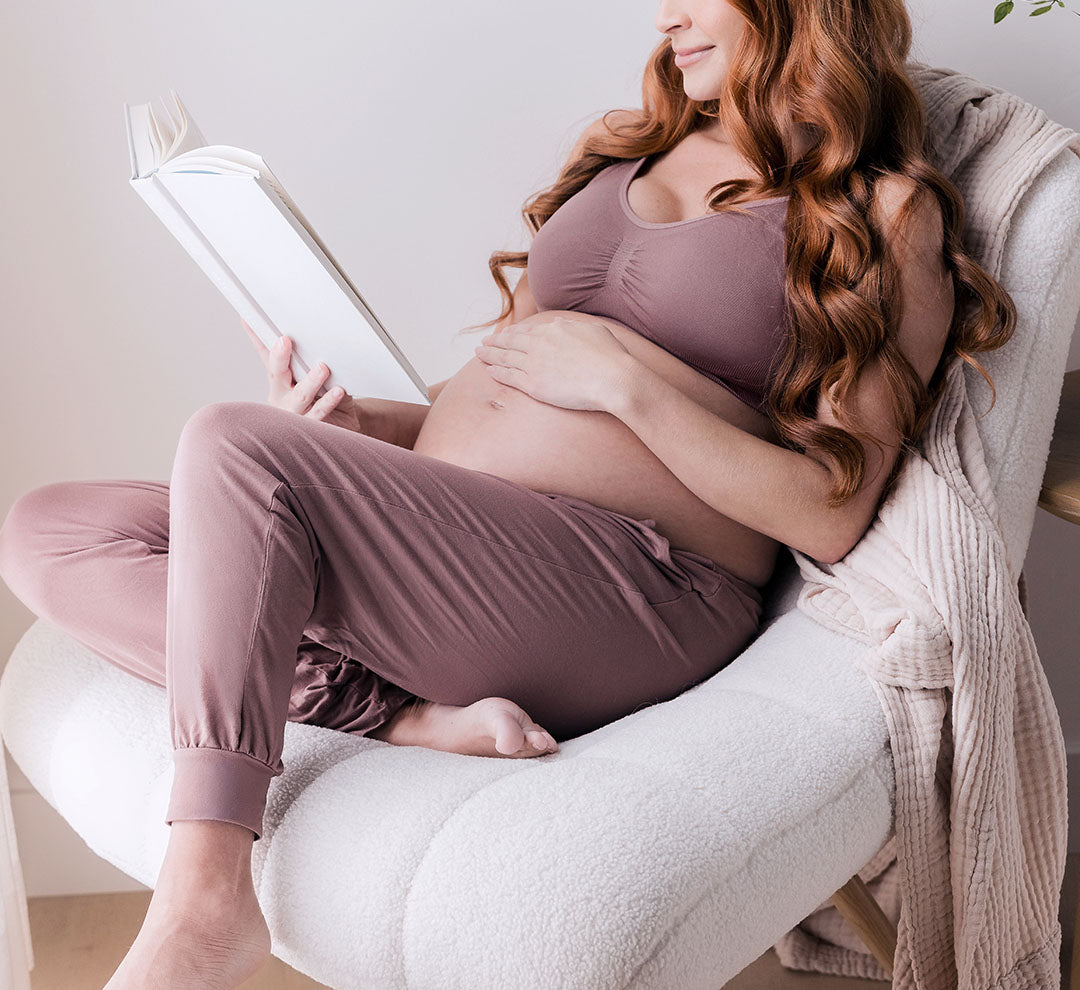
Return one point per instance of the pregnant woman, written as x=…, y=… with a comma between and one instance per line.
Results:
x=730, y=326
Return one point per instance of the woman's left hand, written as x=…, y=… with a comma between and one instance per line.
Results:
x=572, y=363
x=333, y=407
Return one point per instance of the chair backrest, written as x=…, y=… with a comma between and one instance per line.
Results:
x=1041, y=271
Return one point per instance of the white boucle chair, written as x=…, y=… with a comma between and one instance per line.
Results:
x=666, y=850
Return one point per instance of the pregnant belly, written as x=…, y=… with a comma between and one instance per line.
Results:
x=480, y=423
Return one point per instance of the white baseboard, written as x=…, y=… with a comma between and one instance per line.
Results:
x=55, y=859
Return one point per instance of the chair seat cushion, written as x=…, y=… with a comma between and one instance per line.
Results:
x=667, y=850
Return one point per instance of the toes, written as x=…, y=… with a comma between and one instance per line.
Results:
x=540, y=739
x=536, y=738
x=509, y=735
x=518, y=735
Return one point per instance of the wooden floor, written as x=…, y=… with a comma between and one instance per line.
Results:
x=79, y=942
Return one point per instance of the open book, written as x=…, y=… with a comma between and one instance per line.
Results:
x=229, y=211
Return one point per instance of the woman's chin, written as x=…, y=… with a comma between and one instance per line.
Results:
x=700, y=91
x=699, y=94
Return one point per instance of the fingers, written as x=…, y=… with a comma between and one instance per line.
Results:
x=278, y=369
x=298, y=396
x=303, y=393
x=327, y=403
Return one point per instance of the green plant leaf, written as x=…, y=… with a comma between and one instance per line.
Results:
x=1002, y=9
x=1040, y=10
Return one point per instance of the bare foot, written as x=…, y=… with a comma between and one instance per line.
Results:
x=489, y=727
x=207, y=933
x=212, y=948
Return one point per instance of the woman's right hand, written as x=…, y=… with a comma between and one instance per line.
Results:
x=334, y=407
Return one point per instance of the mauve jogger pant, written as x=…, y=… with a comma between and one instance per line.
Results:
x=294, y=570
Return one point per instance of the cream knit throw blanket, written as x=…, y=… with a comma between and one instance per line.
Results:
x=973, y=870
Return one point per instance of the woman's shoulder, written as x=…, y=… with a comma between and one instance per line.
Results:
x=603, y=126
x=908, y=214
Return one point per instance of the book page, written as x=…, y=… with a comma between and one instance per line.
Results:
x=180, y=133
x=155, y=135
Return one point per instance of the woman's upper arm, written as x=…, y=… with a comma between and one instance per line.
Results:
x=927, y=301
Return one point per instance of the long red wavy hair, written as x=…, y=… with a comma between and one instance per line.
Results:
x=840, y=69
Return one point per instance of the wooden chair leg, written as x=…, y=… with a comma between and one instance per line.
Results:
x=1074, y=978
x=1074, y=965
x=855, y=903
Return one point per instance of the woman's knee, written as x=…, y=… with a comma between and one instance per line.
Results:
x=32, y=532
x=233, y=426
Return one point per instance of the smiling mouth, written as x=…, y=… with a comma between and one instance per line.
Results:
x=691, y=57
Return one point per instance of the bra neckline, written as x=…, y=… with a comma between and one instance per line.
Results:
x=624, y=202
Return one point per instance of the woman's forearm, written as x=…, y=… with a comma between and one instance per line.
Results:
x=393, y=421
x=397, y=422
x=767, y=487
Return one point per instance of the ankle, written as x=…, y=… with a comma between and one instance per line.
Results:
x=403, y=729
x=207, y=858
x=204, y=896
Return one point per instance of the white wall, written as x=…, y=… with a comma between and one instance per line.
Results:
x=410, y=140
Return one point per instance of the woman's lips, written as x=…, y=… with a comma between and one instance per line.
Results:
x=681, y=61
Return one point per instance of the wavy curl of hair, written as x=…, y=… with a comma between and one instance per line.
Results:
x=839, y=68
